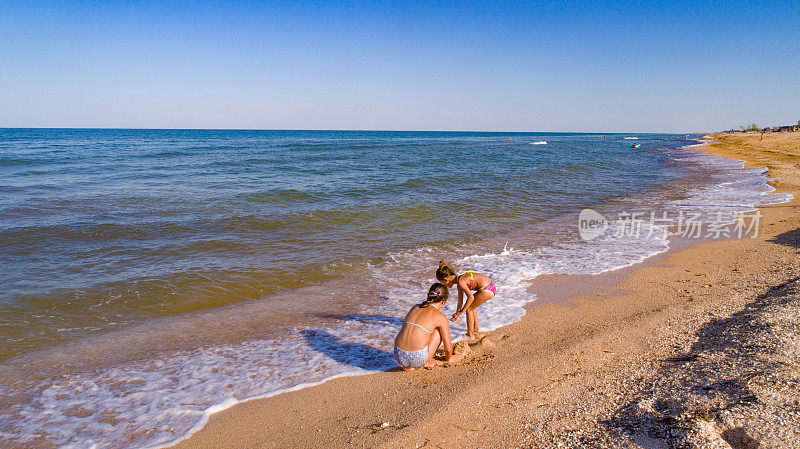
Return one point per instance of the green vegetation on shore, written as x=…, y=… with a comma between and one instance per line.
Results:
x=753, y=127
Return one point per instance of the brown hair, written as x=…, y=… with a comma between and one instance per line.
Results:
x=444, y=271
x=437, y=293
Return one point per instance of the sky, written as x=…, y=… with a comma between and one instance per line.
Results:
x=666, y=66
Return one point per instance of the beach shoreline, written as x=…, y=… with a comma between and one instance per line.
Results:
x=554, y=375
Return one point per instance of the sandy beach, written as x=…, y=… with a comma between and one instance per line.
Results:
x=696, y=347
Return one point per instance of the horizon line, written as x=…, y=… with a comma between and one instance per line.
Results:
x=350, y=130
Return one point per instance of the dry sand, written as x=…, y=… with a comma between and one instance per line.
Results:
x=699, y=347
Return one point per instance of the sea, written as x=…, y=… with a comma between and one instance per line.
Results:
x=149, y=278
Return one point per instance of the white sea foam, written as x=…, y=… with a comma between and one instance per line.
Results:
x=736, y=187
x=157, y=402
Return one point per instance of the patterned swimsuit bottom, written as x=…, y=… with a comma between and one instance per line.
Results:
x=471, y=283
x=490, y=288
x=411, y=359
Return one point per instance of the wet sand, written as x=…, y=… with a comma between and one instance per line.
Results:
x=634, y=357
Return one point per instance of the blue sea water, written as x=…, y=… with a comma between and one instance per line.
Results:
x=149, y=276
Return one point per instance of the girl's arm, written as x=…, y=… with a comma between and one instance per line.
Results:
x=461, y=291
x=444, y=332
x=470, y=298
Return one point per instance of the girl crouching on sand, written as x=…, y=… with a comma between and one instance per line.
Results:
x=424, y=329
x=466, y=282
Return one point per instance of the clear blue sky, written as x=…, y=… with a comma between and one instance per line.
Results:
x=506, y=66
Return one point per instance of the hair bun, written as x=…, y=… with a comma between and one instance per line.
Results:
x=442, y=264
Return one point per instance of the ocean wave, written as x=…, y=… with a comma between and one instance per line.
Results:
x=14, y=162
x=288, y=196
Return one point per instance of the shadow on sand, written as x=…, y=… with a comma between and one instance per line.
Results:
x=353, y=354
x=788, y=238
x=703, y=382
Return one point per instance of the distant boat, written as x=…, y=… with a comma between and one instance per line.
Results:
x=636, y=145
x=541, y=142
x=631, y=138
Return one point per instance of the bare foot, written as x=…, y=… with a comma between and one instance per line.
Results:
x=408, y=369
x=476, y=337
x=429, y=365
x=455, y=359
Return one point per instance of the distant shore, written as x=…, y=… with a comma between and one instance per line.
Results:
x=670, y=350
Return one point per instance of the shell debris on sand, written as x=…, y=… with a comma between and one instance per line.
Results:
x=735, y=386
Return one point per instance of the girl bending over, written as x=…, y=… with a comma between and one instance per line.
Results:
x=467, y=282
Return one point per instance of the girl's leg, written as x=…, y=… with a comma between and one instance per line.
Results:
x=472, y=323
x=472, y=314
x=433, y=345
